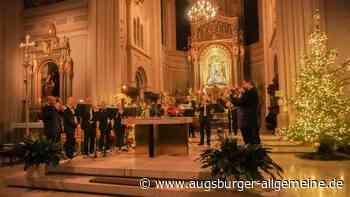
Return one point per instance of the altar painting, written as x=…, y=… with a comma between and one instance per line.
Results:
x=215, y=66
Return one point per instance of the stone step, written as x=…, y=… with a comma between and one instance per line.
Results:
x=276, y=144
x=128, y=172
x=130, y=181
x=264, y=138
x=84, y=184
x=291, y=149
x=78, y=184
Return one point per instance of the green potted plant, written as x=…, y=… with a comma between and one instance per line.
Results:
x=240, y=162
x=38, y=154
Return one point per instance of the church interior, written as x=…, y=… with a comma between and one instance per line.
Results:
x=147, y=82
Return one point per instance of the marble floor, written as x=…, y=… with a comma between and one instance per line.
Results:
x=294, y=169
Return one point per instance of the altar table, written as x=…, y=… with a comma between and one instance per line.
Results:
x=161, y=136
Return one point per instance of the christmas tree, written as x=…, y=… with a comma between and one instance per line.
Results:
x=322, y=107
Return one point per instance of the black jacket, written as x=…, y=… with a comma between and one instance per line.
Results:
x=51, y=119
x=118, y=120
x=209, y=111
x=103, y=119
x=88, y=117
x=248, y=108
x=69, y=123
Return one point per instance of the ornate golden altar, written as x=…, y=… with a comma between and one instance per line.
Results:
x=216, y=52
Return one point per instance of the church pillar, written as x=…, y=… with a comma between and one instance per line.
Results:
x=170, y=21
x=106, y=61
x=196, y=69
x=129, y=24
x=294, y=24
x=123, y=39
x=236, y=68
x=156, y=37
x=11, y=68
x=92, y=62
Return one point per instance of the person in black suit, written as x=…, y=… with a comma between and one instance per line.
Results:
x=51, y=119
x=234, y=120
x=104, y=126
x=190, y=112
x=204, y=120
x=60, y=108
x=118, y=127
x=88, y=123
x=232, y=113
x=70, y=123
x=248, y=107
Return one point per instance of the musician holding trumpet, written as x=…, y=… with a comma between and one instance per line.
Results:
x=70, y=123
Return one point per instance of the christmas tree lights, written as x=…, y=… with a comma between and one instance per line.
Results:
x=322, y=107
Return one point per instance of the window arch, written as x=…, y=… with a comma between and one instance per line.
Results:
x=138, y=31
x=141, y=78
x=135, y=31
x=141, y=37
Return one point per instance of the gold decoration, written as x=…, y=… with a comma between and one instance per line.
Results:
x=48, y=48
x=215, y=65
x=121, y=96
x=222, y=33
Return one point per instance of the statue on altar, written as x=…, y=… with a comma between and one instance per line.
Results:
x=50, y=80
x=50, y=66
x=216, y=51
x=48, y=86
x=215, y=66
x=216, y=72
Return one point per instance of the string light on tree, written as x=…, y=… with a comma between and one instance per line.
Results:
x=322, y=107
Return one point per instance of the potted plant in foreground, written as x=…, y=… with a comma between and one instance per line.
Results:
x=38, y=154
x=240, y=162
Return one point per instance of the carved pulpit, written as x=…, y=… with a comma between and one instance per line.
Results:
x=216, y=52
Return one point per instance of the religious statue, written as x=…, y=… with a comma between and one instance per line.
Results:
x=216, y=72
x=50, y=81
x=48, y=86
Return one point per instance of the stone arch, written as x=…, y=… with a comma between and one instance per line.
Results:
x=47, y=67
x=141, y=78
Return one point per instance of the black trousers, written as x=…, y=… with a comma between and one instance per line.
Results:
x=52, y=135
x=205, y=125
x=69, y=146
x=105, y=142
x=120, y=135
x=233, y=122
x=89, y=140
x=250, y=135
x=191, y=131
